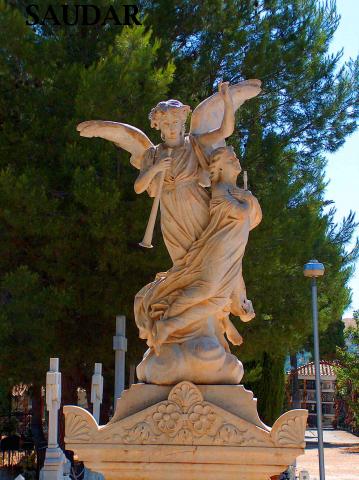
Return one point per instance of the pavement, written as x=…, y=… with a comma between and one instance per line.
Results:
x=341, y=455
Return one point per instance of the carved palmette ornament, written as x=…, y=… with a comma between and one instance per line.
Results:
x=185, y=395
x=289, y=429
x=185, y=418
x=77, y=428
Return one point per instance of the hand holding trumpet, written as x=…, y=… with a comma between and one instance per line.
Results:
x=162, y=165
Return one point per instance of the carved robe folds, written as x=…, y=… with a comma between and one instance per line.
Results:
x=184, y=202
x=186, y=308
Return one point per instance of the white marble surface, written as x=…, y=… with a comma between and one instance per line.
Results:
x=185, y=432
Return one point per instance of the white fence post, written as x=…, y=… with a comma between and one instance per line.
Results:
x=55, y=458
x=97, y=391
x=120, y=347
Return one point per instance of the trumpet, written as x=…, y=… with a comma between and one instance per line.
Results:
x=148, y=236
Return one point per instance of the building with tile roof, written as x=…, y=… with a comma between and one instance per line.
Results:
x=306, y=381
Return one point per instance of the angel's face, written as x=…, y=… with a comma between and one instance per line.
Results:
x=171, y=127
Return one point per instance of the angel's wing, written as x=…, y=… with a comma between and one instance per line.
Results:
x=125, y=136
x=209, y=113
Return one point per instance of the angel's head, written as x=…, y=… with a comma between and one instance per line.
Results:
x=170, y=117
x=224, y=165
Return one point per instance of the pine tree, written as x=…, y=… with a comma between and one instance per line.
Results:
x=69, y=217
x=71, y=221
x=308, y=106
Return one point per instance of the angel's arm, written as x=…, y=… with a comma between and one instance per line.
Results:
x=144, y=179
x=213, y=119
x=146, y=175
x=227, y=126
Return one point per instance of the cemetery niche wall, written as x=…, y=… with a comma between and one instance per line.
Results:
x=189, y=417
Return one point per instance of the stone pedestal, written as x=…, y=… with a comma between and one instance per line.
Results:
x=53, y=468
x=185, y=432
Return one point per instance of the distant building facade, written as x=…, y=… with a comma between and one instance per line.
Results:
x=306, y=383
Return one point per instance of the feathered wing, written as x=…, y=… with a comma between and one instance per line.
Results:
x=208, y=115
x=129, y=138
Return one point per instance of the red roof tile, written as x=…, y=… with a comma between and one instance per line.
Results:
x=308, y=370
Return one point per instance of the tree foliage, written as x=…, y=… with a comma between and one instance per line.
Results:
x=69, y=217
x=347, y=371
x=71, y=221
x=308, y=106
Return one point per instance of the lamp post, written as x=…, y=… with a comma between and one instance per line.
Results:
x=314, y=269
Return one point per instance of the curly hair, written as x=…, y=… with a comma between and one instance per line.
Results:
x=162, y=109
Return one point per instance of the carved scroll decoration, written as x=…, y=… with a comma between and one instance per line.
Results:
x=185, y=418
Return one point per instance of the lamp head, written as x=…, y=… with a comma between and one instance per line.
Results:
x=313, y=269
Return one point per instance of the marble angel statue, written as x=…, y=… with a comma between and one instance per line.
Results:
x=176, y=171
x=184, y=313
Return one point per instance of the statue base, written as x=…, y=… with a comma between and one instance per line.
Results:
x=187, y=431
x=200, y=360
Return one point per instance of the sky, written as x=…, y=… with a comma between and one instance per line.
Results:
x=343, y=165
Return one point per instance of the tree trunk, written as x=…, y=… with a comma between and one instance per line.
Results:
x=294, y=381
x=36, y=417
x=37, y=431
x=68, y=397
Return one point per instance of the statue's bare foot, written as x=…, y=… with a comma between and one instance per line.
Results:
x=232, y=333
x=249, y=313
x=234, y=337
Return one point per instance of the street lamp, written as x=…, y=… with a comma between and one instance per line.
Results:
x=314, y=269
